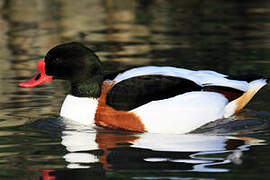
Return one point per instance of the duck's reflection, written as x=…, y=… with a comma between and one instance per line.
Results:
x=99, y=150
x=78, y=143
x=124, y=150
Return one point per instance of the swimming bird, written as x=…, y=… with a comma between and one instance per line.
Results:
x=156, y=99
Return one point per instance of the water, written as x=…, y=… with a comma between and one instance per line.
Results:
x=227, y=36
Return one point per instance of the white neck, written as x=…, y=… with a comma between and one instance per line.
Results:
x=79, y=109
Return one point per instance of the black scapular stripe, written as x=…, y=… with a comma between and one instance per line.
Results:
x=134, y=92
x=230, y=93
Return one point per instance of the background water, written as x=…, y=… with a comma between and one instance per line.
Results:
x=229, y=36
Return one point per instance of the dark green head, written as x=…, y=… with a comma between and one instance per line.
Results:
x=73, y=62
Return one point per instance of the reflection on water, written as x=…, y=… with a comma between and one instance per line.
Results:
x=171, y=152
x=231, y=37
x=120, y=150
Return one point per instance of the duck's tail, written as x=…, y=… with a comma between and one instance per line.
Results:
x=239, y=103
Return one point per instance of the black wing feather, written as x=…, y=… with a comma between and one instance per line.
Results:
x=134, y=92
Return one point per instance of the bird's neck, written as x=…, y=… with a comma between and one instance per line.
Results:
x=88, y=88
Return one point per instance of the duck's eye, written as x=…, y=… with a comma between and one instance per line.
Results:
x=57, y=61
x=38, y=77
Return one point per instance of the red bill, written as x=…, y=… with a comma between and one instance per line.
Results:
x=39, y=79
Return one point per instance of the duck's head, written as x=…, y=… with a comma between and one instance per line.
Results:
x=73, y=62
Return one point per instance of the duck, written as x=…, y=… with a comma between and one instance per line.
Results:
x=154, y=99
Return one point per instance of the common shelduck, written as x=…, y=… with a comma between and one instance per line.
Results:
x=144, y=99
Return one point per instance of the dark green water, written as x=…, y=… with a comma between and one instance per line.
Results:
x=228, y=36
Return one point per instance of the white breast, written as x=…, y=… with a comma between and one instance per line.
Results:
x=79, y=109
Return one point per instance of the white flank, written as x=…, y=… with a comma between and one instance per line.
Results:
x=202, y=77
x=230, y=109
x=79, y=109
x=182, y=113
